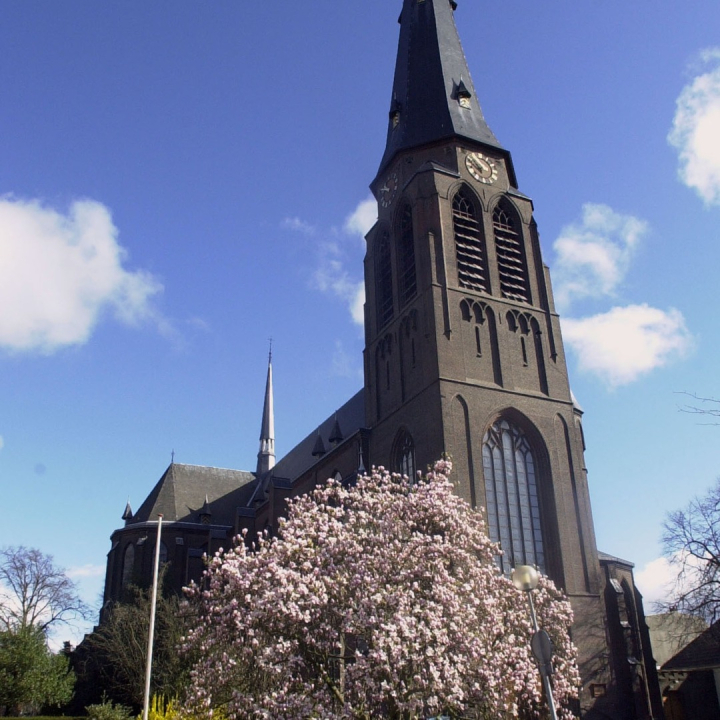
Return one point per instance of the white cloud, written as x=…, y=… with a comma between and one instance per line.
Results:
x=656, y=581
x=2, y=442
x=362, y=218
x=695, y=130
x=344, y=364
x=298, y=225
x=198, y=323
x=662, y=579
x=89, y=580
x=86, y=571
x=59, y=273
x=332, y=277
x=625, y=343
x=593, y=256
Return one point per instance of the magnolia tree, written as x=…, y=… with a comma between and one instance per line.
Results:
x=382, y=600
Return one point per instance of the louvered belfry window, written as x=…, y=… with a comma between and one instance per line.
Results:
x=511, y=496
x=512, y=266
x=383, y=281
x=406, y=257
x=469, y=246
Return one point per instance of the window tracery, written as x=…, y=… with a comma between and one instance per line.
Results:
x=511, y=493
x=405, y=455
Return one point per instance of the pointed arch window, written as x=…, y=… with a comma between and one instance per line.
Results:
x=469, y=244
x=383, y=281
x=404, y=460
x=512, y=264
x=128, y=565
x=406, y=257
x=511, y=495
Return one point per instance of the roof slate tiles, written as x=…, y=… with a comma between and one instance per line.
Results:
x=430, y=68
x=180, y=494
x=350, y=417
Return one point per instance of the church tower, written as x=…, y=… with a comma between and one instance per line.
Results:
x=463, y=351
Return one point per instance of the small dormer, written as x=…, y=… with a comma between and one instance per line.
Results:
x=205, y=514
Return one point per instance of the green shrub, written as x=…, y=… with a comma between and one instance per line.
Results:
x=107, y=710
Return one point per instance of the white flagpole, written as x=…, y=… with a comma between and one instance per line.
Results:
x=151, y=632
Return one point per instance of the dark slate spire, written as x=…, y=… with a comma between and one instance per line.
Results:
x=319, y=448
x=433, y=95
x=266, y=455
x=336, y=435
x=127, y=515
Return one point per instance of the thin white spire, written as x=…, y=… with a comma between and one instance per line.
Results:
x=266, y=455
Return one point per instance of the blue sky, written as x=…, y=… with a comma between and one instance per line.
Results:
x=181, y=181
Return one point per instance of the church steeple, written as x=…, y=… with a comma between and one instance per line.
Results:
x=463, y=352
x=266, y=455
x=433, y=94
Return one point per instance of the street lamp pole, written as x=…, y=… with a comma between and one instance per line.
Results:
x=525, y=578
x=151, y=632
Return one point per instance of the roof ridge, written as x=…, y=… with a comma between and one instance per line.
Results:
x=213, y=467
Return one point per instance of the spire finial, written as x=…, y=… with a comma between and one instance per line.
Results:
x=266, y=454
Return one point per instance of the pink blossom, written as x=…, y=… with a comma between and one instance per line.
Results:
x=378, y=601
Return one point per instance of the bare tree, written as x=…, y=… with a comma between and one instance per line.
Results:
x=118, y=648
x=702, y=406
x=34, y=592
x=691, y=540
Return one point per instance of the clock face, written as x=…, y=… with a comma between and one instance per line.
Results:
x=388, y=190
x=481, y=167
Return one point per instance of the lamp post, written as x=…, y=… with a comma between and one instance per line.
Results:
x=525, y=578
x=151, y=632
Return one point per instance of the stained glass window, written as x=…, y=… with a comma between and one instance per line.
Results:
x=405, y=456
x=511, y=494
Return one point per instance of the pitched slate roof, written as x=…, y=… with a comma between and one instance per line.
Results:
x=430, y=73
x=181, y=492
x=350, y=418
x=702, y=653
x=604, y=557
